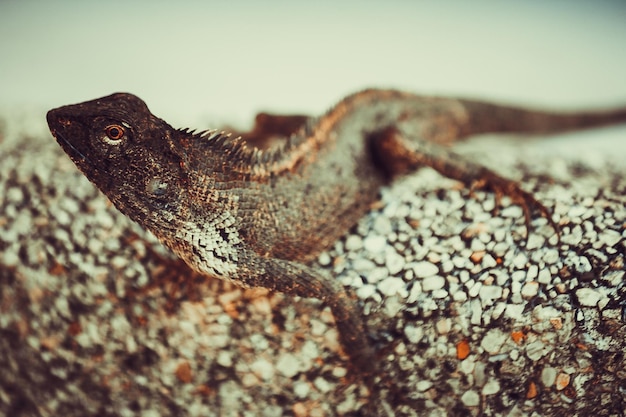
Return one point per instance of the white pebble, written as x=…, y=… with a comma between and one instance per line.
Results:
x=439, y=294
x=548, y=376
x=415, y=292
x=301, y=389
x=493, y=341
x=423, y=385
x=263, y=369
x=535, y=241
x=382, y=225
x=322, y=385
x=588, y=297
x=225, y=359
x=425, y=269
x=433, y=283
x=391, y=286
x=544, y=277
x=375, y=243
x=535, y=350
x=413, y=334
x=477, y=312
x=531, y=273
x=443, y=326
x=551, y=256
x=377, y=274
x=324, y=259
x=530, y=289
x=470, y=398
x=366, y=291
x=490, y=292
x=520, y=261
x=473, y=291
x=394, y=262
x=353, y=243
x=288, y=365
x=610, y=237
x=491, y=387
x=489, y=261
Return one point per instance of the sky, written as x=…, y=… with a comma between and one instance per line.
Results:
x=224, y=60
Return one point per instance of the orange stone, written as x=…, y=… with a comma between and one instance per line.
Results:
x=478, y=256
x=562, y=381
x=203, y=390
x=462, y=349
x=518, y=336
x=557, y=323
x=183, y=372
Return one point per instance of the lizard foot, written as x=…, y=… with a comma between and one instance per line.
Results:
x=504, y=187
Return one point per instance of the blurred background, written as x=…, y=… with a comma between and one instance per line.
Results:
x=198, y=61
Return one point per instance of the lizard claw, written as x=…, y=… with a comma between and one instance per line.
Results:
x=504, y=187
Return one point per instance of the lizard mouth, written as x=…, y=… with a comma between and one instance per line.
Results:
x=68, y=147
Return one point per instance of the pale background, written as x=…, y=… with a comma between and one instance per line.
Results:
x=201, y=61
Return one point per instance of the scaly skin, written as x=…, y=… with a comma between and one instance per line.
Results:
x=258, y=217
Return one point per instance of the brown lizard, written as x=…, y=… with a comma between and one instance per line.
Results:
x=257, y=217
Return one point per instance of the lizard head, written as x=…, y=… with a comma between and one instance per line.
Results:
x=127, y=153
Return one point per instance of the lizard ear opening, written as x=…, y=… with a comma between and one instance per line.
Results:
x=157, y=186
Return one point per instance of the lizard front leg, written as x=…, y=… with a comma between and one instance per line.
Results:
x=297, y=279
x=399, y=153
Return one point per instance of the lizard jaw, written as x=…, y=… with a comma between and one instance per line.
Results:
x=58, y=125
x=69, y=148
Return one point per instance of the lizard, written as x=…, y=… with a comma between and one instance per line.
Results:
x=258, y=217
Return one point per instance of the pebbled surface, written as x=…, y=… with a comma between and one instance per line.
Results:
x=97, y=319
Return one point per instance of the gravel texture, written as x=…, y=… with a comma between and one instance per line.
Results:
x=96, y=318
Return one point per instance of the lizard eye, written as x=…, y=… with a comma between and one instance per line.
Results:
x=114, y=134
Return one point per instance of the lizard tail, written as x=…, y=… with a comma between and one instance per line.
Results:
x=491, y=118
